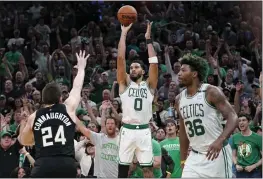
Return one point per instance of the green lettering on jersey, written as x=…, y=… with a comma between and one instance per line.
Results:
x=137, y=93
x=138, y=104
x=195, y=127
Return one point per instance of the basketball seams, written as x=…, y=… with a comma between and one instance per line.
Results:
x=127, y=15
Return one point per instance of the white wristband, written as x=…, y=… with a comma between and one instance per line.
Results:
x=153, y=60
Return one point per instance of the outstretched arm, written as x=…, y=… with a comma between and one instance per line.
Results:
x=217, y=99
x=86, y=132
x=26, y=135
x=72, y=102
x=153, y=60
x=122, y=76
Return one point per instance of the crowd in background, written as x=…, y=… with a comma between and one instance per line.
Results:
x=39, y=40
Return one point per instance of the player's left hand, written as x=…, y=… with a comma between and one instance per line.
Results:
x=148, y=31
x=250, y=168
x=214, y=150
x=82, y=59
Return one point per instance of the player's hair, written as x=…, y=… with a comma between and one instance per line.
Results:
x=140, y=62
x=51, y=93
x=248, y=117
x=196, y=64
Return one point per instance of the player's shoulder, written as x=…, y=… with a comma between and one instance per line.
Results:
x=213, y=89
x=214, y=93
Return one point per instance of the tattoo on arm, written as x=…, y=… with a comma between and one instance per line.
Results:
x=217, y=98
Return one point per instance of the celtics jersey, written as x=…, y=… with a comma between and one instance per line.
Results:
x=137, y=104
x=203, y=122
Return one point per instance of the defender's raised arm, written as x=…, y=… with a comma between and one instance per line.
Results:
x=73, y=100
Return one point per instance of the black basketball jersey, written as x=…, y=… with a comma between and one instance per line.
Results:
x=54, y=132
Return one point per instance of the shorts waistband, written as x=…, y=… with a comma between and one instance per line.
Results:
x=224, y=144
x=130, y=126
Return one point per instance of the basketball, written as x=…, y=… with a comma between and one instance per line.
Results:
x=127, y=15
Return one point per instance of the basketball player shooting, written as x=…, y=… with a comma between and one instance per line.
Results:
x=136, y=96
x=52, y=129
x=202, y=108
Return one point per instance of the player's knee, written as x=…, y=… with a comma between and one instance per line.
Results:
x=147, y=172
x=123, y=171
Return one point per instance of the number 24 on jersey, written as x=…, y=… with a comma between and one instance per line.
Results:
x=47, y=135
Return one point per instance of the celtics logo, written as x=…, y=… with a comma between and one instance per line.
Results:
x=244, y=150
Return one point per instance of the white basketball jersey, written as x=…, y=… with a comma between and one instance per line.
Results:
x=202, y=121
x=137, y=104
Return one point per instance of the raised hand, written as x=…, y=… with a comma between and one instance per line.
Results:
x=148, y=31
x=24, y=116
x=104, y=105
x=24, y=100
x=125, y=29
x=239, y=86
x=166, y=49
x=23, y=151
x=82, y=59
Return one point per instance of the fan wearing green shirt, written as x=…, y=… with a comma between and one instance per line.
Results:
x=137, y=172
x=172, y=146
x=247, y=150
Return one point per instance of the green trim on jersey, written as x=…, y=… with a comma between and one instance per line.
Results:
x=122, y=163
x=149, y=88
x=225, y=162
x=147, y=164
x=126, y=88
x=130, y=126
x=206, y=101
x=190, y=97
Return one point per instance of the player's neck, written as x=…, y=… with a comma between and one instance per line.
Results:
x=192, y=89
x=247, y=132
x=138, y=81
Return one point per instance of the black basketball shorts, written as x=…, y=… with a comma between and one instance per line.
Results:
x=54, y=167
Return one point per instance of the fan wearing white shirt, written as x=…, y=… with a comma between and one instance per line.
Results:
x=84, y=154
x=44, y=30
x=16, y=40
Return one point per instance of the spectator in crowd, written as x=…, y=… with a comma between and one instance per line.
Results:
x=172, y=145
x=247, y=150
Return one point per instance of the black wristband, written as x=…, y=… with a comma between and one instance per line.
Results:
x=149, y=41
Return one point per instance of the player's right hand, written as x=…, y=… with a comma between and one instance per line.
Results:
x=82, y=59
x=125, y=29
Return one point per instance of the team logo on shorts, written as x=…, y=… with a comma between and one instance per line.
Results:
x=244, y=150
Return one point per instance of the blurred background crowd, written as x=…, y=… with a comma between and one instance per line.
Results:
x=38, y=42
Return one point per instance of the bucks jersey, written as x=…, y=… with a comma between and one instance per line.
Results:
x=136, y=104
x=203, y=122
x=54, y=132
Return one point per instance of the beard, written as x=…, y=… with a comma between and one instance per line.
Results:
x=110, y=132
x=181, y=85
x=135, y=78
